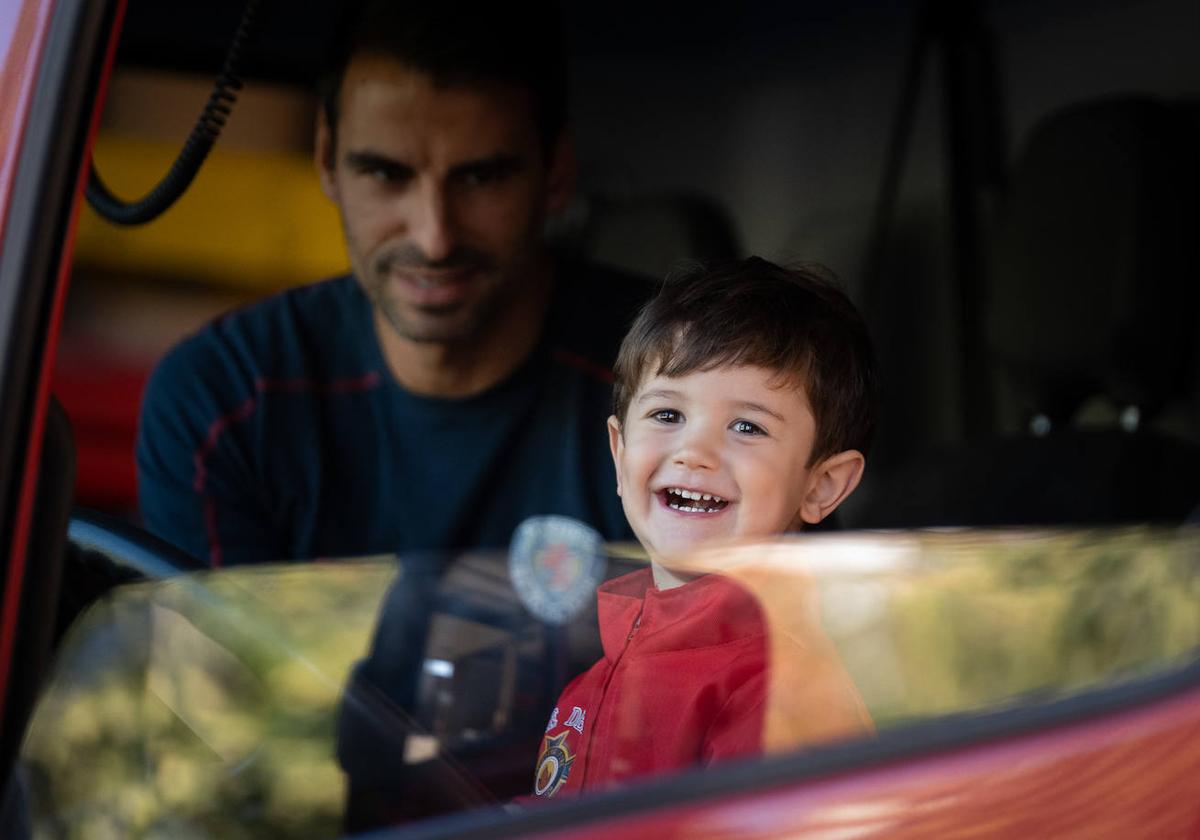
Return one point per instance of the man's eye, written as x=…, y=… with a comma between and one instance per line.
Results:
x=477, y=179
x=387, y=175
x=481, y=177
x=667, y=415
x=745, y=427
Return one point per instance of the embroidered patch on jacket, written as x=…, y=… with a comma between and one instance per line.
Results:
x=575, y=721
x=554, y=765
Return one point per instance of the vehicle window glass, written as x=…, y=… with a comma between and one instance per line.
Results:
x=302, y=701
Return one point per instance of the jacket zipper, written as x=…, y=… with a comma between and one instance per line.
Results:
x=637, y=622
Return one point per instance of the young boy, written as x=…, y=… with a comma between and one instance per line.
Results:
x=743, y=404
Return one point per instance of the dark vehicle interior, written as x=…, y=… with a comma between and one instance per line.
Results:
x=1009, y=189
x=1021, y=238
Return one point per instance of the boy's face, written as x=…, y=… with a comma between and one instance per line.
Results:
x=734, y=440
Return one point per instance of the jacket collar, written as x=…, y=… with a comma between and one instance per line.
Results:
x=710, y=610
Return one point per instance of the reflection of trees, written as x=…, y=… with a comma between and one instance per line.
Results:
x=204, y=707
x=981, y=621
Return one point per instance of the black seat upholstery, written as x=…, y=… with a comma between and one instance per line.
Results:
x=1094, y=283
x=649, y=234
x=1091, y=320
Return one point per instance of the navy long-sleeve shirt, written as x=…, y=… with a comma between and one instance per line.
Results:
x=278, y=432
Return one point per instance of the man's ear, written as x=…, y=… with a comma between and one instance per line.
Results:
x=829, y=483
x=617, y=444
x=561, y=174
x=323, y=157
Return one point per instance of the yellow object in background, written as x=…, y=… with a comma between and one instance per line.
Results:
x=252, y=220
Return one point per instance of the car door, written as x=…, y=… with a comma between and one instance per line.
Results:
x=54, y=54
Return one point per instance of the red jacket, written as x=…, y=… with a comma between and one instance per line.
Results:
x=682, y=682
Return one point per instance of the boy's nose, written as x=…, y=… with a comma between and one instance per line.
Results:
x=697, y=450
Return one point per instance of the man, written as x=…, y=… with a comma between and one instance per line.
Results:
x=455, y=384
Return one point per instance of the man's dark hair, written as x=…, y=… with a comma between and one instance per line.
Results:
x=752, y=312
x=459, y=42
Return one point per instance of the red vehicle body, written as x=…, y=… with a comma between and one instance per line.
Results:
x=1120, y=775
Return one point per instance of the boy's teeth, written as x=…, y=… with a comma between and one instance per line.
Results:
x=694, y=495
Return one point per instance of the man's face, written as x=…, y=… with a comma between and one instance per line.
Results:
x=442, y=191
x=716, y=454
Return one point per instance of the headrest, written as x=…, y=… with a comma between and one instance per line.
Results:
x=649, y=234
x=1094, y=281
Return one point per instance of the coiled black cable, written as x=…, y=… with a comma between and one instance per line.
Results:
x=195, y=149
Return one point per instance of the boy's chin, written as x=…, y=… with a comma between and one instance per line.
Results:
x=705, y=557
x=668, y=577
x=692, y=561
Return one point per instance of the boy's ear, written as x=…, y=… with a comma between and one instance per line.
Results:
x=829, y=483
x=617, y=445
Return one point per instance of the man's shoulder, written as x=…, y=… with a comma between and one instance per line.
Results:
x=604, y=288
x=313, y=308
x=595, y=306
x=309, y=315
x=285, y=334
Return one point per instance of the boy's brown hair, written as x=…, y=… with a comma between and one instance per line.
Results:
x=753, y=312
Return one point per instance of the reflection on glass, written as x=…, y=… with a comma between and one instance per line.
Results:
x=203, y=707
x=689, y=677
x=301, y=701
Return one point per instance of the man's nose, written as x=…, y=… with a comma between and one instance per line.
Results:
x=698, y=447
x=431, y=226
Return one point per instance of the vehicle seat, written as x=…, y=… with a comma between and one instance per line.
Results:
x=1094, y=292
x=649, y=234
x=1091, y=332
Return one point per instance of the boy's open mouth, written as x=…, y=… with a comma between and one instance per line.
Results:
x=692, y=501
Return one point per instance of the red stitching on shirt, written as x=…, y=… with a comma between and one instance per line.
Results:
x=262, y=385
x=214, y=433
x=593, y=369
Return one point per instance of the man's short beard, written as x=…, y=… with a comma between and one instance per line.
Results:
x=470, y=320
x=409, y=256
x=468, y=330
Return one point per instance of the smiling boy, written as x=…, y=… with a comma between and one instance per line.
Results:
x=743, y=403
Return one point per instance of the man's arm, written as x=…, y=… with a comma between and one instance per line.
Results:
x=198, y=487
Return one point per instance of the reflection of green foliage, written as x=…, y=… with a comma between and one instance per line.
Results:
x=1130, y=608
x=977, y=620
x=204, y=707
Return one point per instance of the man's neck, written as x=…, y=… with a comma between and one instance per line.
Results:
x=463, y=368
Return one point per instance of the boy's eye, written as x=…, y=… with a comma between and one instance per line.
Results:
x=745, y=427
x=667, y=415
